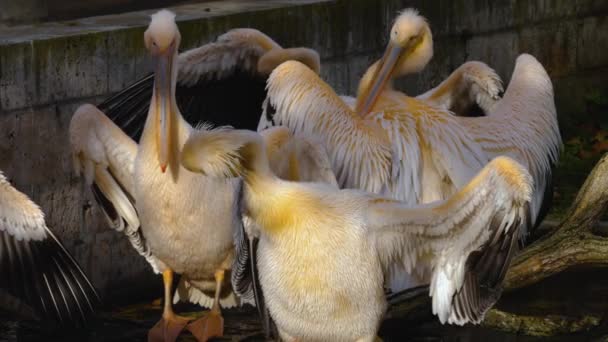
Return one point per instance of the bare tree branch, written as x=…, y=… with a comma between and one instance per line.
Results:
x=573, y=242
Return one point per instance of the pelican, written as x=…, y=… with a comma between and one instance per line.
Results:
x=39, y=276
x=222, y=82
x=323, y=252
x=180, y=221
x=522, y=125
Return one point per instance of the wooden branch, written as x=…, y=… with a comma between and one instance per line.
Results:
x=563, y=250
x=592, y=199
x=573, y=243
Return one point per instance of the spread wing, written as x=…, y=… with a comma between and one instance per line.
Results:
x=36, y=268
x=106, y=157
x=523, y=125
x=467, y=241
x=218, y=83
x=471, y=90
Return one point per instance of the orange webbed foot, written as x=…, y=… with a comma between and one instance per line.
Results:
x=208, y=326
x=167, y=329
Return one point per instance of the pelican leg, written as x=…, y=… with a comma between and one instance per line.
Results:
x=170, y=325
x=212, y=323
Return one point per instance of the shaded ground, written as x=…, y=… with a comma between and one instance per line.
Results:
x=131, y=323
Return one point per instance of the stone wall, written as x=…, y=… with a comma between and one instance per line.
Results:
x=47, y=70
x=20, y=12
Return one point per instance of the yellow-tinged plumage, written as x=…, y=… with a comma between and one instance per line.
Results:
x=323, y=252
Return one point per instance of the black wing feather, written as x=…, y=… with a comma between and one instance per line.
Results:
x=128, y=109
x=245, y=277
x=235, y=100
x=45, y=276
x=485, y=273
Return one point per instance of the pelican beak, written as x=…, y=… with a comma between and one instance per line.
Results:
x=383, y=73
x=162, y=87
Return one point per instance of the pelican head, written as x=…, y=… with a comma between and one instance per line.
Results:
x=273, y=58
x=409, y=50
x=162, y=40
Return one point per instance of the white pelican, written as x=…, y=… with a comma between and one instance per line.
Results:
x=36, y=269
x=323, y=252
x=180, y=221
x=522, y=125
x=222, y=82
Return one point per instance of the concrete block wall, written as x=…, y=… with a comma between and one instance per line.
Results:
x=47, y=70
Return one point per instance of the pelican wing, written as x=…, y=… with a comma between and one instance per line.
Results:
x=466, y=241
x=36, y=268
x=471, y=87
x=245, y=278
x=106, y=157
x=218, y=83
x=523, y=125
